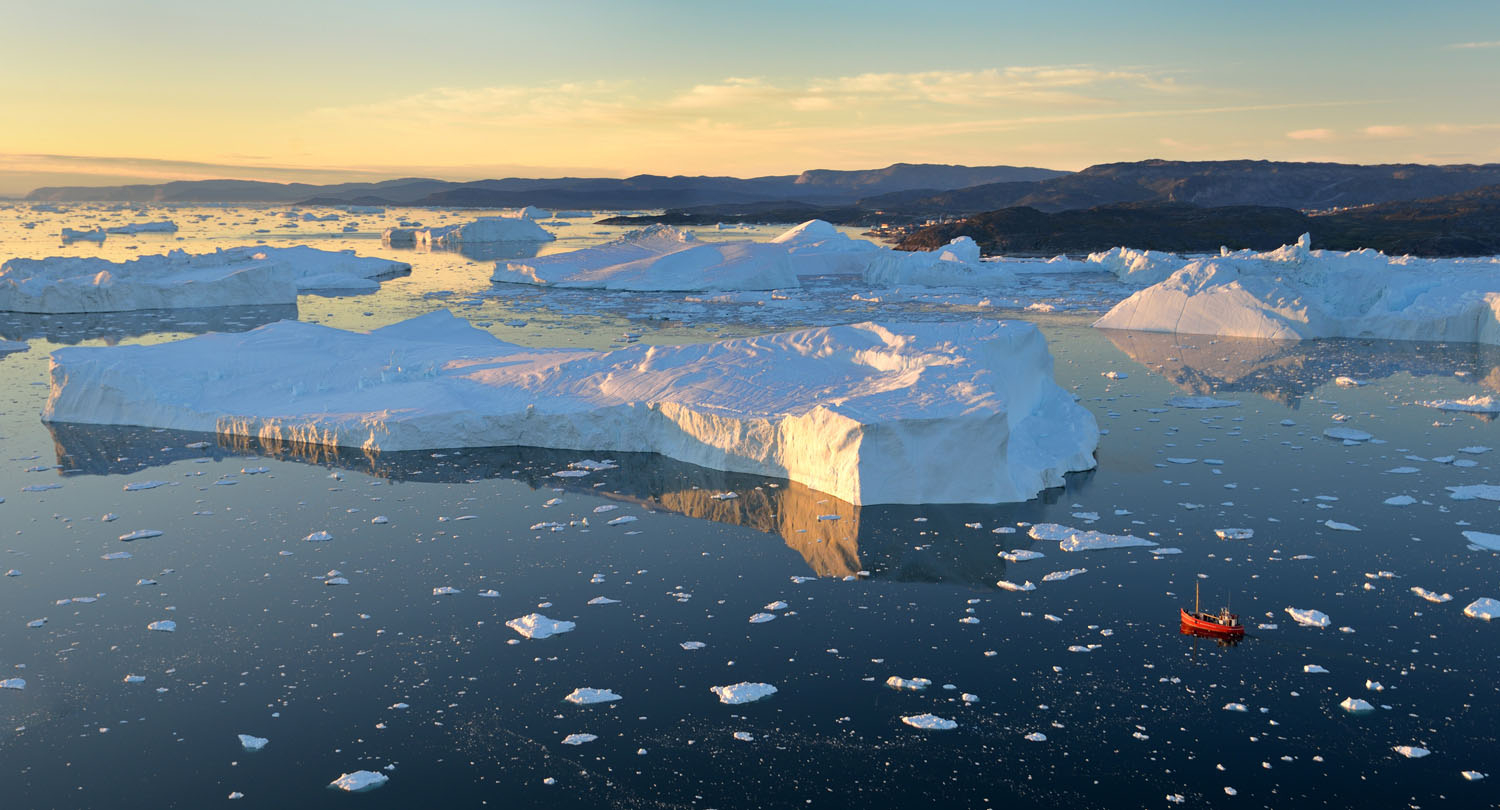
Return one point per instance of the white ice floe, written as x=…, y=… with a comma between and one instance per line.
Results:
x=1472, y=776
x=1295, y=293
x=137, y=486
x=603, y=600
x=1470, y=404
x=912, y=413
x=445, y=590
x=13, y=683
x=1340, y=527
x=1011, y=586
x=1020, y=555
x=661, y=258
x=1307, y=617
x=692, y=645
x=579, y=739
x=1058, y=576
x=1484, y=492
x=1483, y=608
x=162, y=226
x=1411, y=751
x=318, y=537
x=164, y=626
x=1314, y=669
x=584, y=696
x=140, y=534
x=1354, y=704
x=1431, y=596
x=896, y=682
x=929, y=722
x=1036, y=736
x=484, y=230
x=762, y=618
x=1399, y=500
x=134, y=679
x=228, y=277
x=1234, y=534
x=359, y=781
x=1347, y=434
x=1070, y=539
x=1201, y=403
x=1235, y=707
x=743, y=692
x=535, y=625
x=250, y=743
x=1483, y=540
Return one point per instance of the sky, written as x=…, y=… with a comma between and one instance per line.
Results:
x=98, y=93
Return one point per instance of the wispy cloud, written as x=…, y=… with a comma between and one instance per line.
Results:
x=1387, y=131
x=1311, y=134
x=1466, y=46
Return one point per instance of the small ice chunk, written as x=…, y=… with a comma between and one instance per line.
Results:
x=536, y=626
x=1484, y=540
x=1037, y=736
x=251, y=743
x=359, y=781
x=1400, y=500
x=1485, y=492
x=692, y=645
x=1070, y=539
x=896, y=682
x=1347, y=434
x=1314, y=669
x=762, y=618
x=743, y=692
x=584, y=696
x=489, y=594
x=13, y=683
x=318, y=537
x=1058, y=576
x=137, y=486
x=445, y=591
x=1472, y=776
x=1235, y=707
x=1020, y=555
x=603, y=600
x=1411, y=751
x=1354, y=704
x=1235, y=534
x=1430, y=596
x=622, y=520
x=1200, y=403
x=1483, y=608
x=1011, y=586
x=1340, y=527
x=929, y=722
x=1307, y=617
x=140, y=534
x=163, y=625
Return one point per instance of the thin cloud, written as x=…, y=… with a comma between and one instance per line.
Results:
x=1311, y=134
x=1387, y=131
x=1466, y=46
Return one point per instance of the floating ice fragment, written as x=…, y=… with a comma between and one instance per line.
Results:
x=163, y=625
x=1354, y=704
x=1308, y=617
x=1347, y=382
x=536, y=626
x=251, y=743
x=1400, y=500
x=1341, y=527
x=724, y=496
x=1431, y=596
x=13, y=683
x=777, y=605
x=1483, y=608
x=41, y=487
x=1200, y=403
x=1020, y=555
x=359, y=781
x=1037, y=736
x=489, y=594
x=137, y=486
x=1485, y=492
x=762, y=618
x=1234, y=534
x=1058, y=576
x=622, y=519
x=929, y=722
x=1011, y=586
x=896, y=682
x=1402, y=470
x=1314, y=669
x=584, y=696
x=1235, y=707
x=692, y=645
x=116, y=555
x=318, y=537
x=1483, y=540
x=1412, y=751
x=603, y=600
x=1472, y=404
x=1472, y=776
x=1347, y=434
x=1070, y=539
x=743, y=692
x=445, y=591
x=140, y=534
x=1159, y=551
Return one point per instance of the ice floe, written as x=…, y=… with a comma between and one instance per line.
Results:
x=929, y=722
x=896, y=682
x=1307, y=617
x=1234, y=534
x=743, y=692
x=661, y=258
x=251, y=743
x=584, y=696
x=1483, y=540
x=359, y=781
x=1354, y=704
x=1070, y=539
x=164, y=626
x=1411, y=751
x=484, y=230
x=1483, y=608
x=1295, y=293
x=1471, y=404
x=1431, y=596
x=535, y=625
x=868, y=413
x=228, y=277
x=579, y=739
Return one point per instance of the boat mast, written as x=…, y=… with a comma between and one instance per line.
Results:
x=1196, y=607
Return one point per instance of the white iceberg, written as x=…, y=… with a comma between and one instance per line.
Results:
x=1469, y=404
x=1412, y=751
x=1355, y=705
x=482, y=231
x=252, y=743
x=743, y=692
x=535, y=625
x=1295, y=293
x=869, y=413
x=929, y=722
x=662, y=258
x=359, y=781
x=164, y=226
x=584, y=696
x=1483, y=608
x=227, y=277
x=1307, y=617
x=1070, y=539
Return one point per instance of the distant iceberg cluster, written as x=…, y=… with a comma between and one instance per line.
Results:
x=226, y=277
x=661, y=258
x=869, y=413
x=485, y=230
x=1295, y=293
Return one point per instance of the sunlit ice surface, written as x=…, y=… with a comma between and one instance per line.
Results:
x=1084, y=693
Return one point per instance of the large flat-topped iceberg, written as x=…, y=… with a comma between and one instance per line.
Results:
x=910, y=413
x=1295, y=293
x=481, y=231
x=663, y=258
x=227, y=277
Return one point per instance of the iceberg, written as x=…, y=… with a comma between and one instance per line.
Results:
x=662, y=258
x=869, y=413
x=164, y=226
x=743, y=692
x=226, y=277
x=73, y=235
x=482, y=230
x=1483, y=608
x=1296, y=293
x=359, y=781
x=1070, y=539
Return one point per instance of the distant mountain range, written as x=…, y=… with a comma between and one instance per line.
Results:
x=821, y=186
x=1462, y=224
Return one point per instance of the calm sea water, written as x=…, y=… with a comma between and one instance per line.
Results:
x=382, y=673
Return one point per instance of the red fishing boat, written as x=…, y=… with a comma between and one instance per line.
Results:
x=1201, y=621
